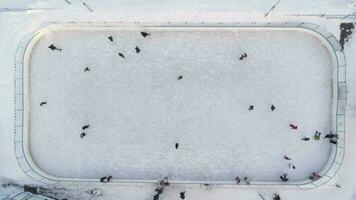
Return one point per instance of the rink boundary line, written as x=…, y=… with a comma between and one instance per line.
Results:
x=330, y=169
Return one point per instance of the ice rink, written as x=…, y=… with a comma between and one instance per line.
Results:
x=186, y=86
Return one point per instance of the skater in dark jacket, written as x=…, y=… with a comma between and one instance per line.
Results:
x=156, y=197
x=103, y=179
x=43, y=103
x=121, y=55
x=145, y=34
x=111, y=38
x=85, y=127
x=293, y=126
x=86, y=69
x=276, y=197
x=284, y=178
x=251, y=107
x=237, y=179
x=273, y=107
x=82, y=135
x=177, y=145
x=137, y=49
x=287, y=158
x=182, y=195
x=314, y=176
x=305, y=139
x=331, y=135
x=53, y=48
x=333, y=141
x=180, y=77
x=159, y=190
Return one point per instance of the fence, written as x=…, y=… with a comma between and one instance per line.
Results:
x=338, y=119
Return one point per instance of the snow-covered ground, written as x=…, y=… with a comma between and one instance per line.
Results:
x=138, y=109
x=15, y=25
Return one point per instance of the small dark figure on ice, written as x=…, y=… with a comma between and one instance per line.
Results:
x=86, y=69
x=164, y=183
x=182, y=195
x=251, y=107
x=293, y=126
x=333, y=141
x=291, y=166
x=137, y=49
x=43, y=103
x=121, y=55
x=244, y=55
x=246, y=181
x=176, y=145
x=305, y=139
x=180, y=77
x=159, y=190
x=287, y=158
x=331, y=135
x=314, y=176
x=111, y=38
x=273, y=107
x=144, y=34
x=276, y=197
x=284, y=178
x=85, y=127
x=105, y=179
x=238, y=181
x=83, y=135
x=53, y=48
x=156, y=197
x=317, y=135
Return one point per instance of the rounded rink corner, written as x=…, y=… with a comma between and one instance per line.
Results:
x=339, y=98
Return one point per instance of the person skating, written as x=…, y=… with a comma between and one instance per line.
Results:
x=314, y=176
x=180, y=77
x=182, y=195
x=109, y=178
x=145, y=34
x=251, y=107
x=82, y=135
x=103, y=179
x=137, y=49
x=305, y=139
x=247, y=182
x=287, y=158
x=86, y=69
x=291, y=166
x=244, y=55
x=176, y=145
x=317, y=135
x=43, y=103
x=293, y=126
x=333, y=141
x=85, y=127
x=238, y=181
x=276, y=197
x=284, y=178
x=164, y=182
x=331, y=135
x=121, y=55
x=111, y=38
x=156, y=197
x=273, y=107
x=159, y=190
x=53, y=48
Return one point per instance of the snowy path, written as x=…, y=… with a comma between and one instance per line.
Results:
x=138, y=109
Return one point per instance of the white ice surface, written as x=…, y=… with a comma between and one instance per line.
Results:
x=138, y=109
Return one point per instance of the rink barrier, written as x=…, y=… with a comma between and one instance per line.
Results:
x=328, y=173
